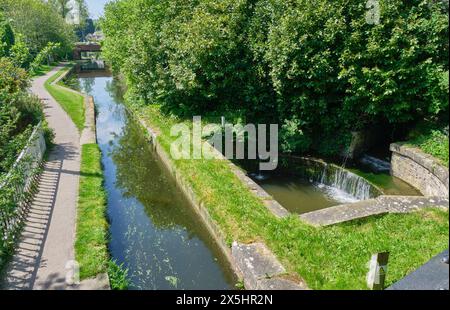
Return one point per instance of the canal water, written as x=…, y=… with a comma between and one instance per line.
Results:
x=154, y=231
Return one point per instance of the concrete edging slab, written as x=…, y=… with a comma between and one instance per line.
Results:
x=366, y=208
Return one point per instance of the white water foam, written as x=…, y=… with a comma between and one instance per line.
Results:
x=336, y=194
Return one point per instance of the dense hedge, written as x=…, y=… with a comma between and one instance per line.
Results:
x=318, y=68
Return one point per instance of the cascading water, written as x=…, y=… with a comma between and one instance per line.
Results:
x=339, y=178
x=349, y=183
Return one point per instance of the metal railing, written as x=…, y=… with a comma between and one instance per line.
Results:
x=17, y=188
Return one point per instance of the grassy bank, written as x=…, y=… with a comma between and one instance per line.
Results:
x=91, y=245
x=327, y=258
x=69, y=100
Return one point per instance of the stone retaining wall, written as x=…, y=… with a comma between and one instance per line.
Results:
x=421, y=170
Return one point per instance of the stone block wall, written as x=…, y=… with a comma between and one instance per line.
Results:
x=421, y=170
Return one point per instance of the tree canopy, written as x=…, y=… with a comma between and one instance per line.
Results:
x=38, y=23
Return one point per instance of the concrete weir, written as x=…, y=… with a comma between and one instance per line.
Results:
x=255, y=264
x=377, y=206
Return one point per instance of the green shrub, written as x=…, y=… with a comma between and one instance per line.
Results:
x=46, y=56
x=20, y=53
x=6, y=37
x=435, y=143
x=18, y=112
x=337, y=73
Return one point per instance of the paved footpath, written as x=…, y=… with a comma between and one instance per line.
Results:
x=46, y=246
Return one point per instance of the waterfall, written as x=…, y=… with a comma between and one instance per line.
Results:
x=350, y=183
x=336, y=177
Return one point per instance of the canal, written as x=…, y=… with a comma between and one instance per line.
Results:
x=154, y=231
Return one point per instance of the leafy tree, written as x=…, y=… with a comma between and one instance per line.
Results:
x=86, y=25
x=90, y=26
x=6, y=37
x=46, y=55
x=336, y=72
x=39, y=24
x=84, y=11
x=20, y=53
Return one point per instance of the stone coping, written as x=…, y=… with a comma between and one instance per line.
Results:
x=261, y=270
x=377, y=206
x=427, y=161
x=89, y=133
x=272, y=205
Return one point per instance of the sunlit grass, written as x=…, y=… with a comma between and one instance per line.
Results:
x=327, y=258
x=91, y=245
x=70, y=101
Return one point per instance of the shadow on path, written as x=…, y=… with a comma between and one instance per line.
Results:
x=23, y=267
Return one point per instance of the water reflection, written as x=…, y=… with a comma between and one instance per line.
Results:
x=153, y=229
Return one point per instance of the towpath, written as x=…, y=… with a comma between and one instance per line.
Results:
x=45, y=252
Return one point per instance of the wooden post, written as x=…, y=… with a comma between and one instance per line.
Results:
x=377, y=271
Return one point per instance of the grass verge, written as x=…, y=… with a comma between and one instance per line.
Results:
x=333, y=257
x=69, y=100
x=92, y=238
x=91, y=245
